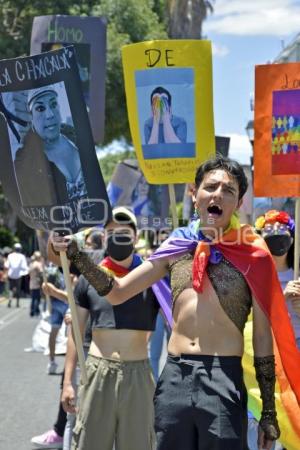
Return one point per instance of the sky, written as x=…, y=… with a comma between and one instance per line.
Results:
x=244, y=33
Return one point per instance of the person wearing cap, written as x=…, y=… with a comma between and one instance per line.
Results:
x=16, y=265
x=35, y=283
x=116, y=404
x=48, y=166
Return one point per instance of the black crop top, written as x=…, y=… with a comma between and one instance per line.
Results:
x=138, y=313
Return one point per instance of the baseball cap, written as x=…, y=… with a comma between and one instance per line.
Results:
x=17, y=246
x=121, y=214
x=35, y=93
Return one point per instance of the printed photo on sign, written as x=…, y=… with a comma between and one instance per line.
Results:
x=83, y=56
x=149, y=202
x=43, y=146
x=88, y=36
x=286, y=132
x=166, y=112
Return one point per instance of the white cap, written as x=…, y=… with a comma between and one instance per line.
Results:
x=35, y=93
x=122, y=214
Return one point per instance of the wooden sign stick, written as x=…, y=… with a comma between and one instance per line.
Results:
x=173, y=205
x=75, y=324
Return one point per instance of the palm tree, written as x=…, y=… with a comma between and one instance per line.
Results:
x=185, y=17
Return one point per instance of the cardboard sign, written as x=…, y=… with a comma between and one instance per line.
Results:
x=169, y=99
x=149, y=202
x=277, y=130
x=49, y=170
x=88, y=35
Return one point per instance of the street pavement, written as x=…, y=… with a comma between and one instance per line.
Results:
x=29, y=397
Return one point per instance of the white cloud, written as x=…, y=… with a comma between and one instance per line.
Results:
x=219, y=50
x=255, y=17
x=240, y=148
x=116, y=146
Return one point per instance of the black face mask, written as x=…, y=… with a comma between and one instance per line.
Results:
x=278, y=244
x=119, y=246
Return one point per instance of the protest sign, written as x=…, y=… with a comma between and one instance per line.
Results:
x=88, y=35
x=277, y=137
x=149, y=202
x=49, y=170
x=169, y=100
x=277, y=130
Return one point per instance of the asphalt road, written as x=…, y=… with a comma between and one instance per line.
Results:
x=28, y=396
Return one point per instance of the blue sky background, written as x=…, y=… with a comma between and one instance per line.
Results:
x=244, y=34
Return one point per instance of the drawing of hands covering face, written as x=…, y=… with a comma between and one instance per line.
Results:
x=156, y=109
x=160, y=108
x=165, y=108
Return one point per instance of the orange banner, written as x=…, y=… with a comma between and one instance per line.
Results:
x=277, y=130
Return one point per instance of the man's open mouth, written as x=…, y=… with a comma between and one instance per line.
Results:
x=215, y=210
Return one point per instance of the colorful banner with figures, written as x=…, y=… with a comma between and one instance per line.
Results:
x=277, y=131
x=169, y=99
x=49, y=170
x=88, y=35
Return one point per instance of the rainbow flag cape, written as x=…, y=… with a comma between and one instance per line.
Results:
x=248, y=252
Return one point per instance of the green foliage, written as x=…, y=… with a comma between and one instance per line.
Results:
x=6, y=237
x=128, y=21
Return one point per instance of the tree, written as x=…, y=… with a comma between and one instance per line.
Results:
x=6, y=237
x=128, y=21
x=109, y=162
x=185, y=17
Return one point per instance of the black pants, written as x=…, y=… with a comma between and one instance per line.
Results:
x=35, y=302
x=61, y=420
x=201, y=404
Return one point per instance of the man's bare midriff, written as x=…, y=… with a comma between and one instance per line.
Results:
x=122, y=345
x=201, y=326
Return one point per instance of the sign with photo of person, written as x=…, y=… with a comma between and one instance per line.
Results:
x=49, y=170
x=169, y=100
x=277, y=130
x=88, y=35
x=149, y=202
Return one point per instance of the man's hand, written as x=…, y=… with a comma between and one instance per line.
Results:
x=64, y=244
x=68, y=399
x=292, y=290
x=262, y=442
x=68, y=318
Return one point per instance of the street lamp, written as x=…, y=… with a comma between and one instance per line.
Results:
x=250, y=132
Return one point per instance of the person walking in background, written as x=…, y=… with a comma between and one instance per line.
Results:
x=58, y=299
x=35, y=283
x=16, y=265
x=2, y=275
